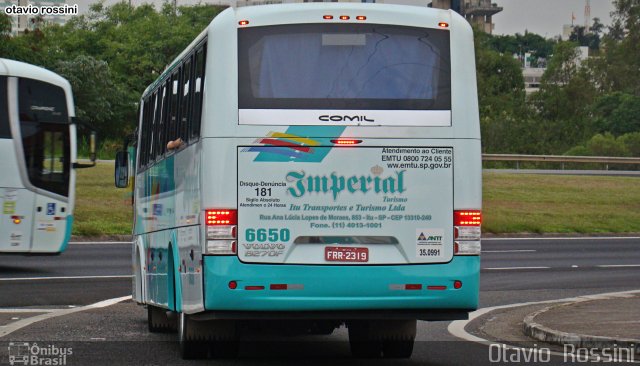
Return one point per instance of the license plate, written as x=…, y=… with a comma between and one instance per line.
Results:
x=346, y=254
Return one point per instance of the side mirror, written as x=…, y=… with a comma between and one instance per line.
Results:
x=122, y=169
x=92, y=144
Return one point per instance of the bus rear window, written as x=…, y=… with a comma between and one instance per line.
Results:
x=344, y=67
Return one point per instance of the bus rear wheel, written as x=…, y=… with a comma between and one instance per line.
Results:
x=215, y=338
x=159, y=320
x=382, y=338
x=192, y=346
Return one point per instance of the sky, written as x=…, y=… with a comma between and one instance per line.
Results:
x=546, y=17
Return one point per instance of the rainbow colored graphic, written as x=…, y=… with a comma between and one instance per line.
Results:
x=295, y=145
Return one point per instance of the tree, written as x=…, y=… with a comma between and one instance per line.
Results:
x=111, y=54
x=5, y=26
x=589, y=39
x=619, y=67
x=618, y=113
x=519, y=44
x=97, y=97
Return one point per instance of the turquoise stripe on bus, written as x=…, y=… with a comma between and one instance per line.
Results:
x=327, y=287
x=67, y=234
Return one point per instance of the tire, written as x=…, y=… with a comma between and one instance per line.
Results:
x=400, y=339
x=199, y=339
x=192, y=346
x=159, y=320
x=397, y=349
x=387, y=338
x=360, y=341
x=224, y=349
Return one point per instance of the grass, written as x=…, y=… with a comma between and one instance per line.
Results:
x=101, y=209
x=513, y=203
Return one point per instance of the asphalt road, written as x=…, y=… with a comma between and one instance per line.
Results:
x=513, y=271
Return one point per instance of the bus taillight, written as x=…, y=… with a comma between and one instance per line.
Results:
x=221, y=231
x=467, y=232
x=346, y=141
x=221, y=217
x=467, y=218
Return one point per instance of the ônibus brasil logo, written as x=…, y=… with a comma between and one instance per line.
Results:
x=301, y=183
x=25, y=353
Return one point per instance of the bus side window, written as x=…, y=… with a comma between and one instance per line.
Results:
x=159, y=132
x=198, y=85
x=185, y=110
x=141, y=137
x=145, y=131
x=175, y=104
x=154, y=122
x=166, y=118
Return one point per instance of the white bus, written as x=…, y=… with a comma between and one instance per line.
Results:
x=306, y=166
x=38, y=149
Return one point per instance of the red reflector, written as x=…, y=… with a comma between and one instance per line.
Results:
x=221, y=217
x=344, y=17
x=243, y=22
x=278, y=287
x=254, y=287
x=456, y=247
x=346, y=142
x=416, y=286
x=467, y=218
x=327, y=17
x=361, y=17
x=457, y=284
x=443, y=25
x=233, y=285
x=436, y=287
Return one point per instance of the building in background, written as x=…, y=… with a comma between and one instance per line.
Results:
x=477, y=12
x=567, y=29
x=532, y=78
x=20, y=23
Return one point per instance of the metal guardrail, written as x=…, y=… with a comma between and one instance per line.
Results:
x=560, y=159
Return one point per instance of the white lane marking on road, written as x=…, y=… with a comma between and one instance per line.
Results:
x=99, y=242
x=510, y=251
x=62, y=278
x=617, y=265
x=457, y=327
x=12, y=311
x=512, y=268
x=10, y=328
x=567, y=238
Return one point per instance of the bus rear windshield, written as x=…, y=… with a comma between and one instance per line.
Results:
x=344, y=66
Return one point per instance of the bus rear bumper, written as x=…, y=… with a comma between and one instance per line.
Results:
x=260, y=287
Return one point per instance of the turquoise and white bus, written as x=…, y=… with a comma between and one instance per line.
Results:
x=308, y=166
x=38, y=149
